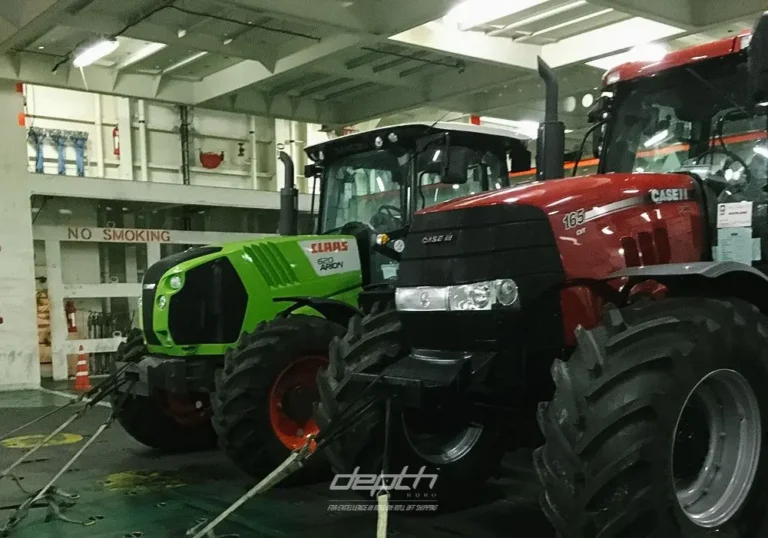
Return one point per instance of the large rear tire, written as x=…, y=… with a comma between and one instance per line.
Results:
x=162, y=421
x=460, y=445
x=658, y=425
x=266, y=394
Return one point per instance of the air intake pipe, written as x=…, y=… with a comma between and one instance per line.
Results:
x=289, y=199
x=550, y=144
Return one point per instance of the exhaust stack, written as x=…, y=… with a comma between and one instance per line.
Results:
x=289, y=199
x=550, y=144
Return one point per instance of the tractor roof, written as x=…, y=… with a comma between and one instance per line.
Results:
x=715, y=49
x=418, y=129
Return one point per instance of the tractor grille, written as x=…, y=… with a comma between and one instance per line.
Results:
x=272, y=265
x=210, y=308
x=152, y=277
x=487, y=243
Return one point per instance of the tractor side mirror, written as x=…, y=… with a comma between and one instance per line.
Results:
x=757, y=63
x=599, y=109
x=459, y=161
x=312, y=170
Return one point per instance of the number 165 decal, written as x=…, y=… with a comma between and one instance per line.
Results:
x=573, y=219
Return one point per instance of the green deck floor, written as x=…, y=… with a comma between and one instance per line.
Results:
x=132, y=489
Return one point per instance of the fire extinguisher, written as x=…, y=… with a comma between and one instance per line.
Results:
x=116, y=141
x=70, y=309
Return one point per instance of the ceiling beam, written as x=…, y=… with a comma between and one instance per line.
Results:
x=146, y=31
x=32, y=18
x=386, y=18
x=364, y=73
x=439, y=89
x=475, y=46
x=573, y=81
x=329, y=13
x=610, y=39
x=279, y=106
x=678, y=13
x=248, y=73
x=713, y=12
x=37, y=69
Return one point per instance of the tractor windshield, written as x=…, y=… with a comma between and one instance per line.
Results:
x=368, y=187
x=689, y=115
x=376, y=187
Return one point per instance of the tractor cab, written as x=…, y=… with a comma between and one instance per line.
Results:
x=699, y=116
x=372, y=183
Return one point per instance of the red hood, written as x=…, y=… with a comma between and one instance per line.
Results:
x=556, y=196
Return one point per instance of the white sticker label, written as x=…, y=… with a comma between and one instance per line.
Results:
x=735, y=245
x=389, y=270
x=332, y=256
x=734, y=215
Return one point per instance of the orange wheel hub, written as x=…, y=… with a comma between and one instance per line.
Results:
x=292, y=398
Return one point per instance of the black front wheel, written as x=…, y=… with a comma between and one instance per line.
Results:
x=658, y=425
x=458, y=447
x=167, y=422
x=266, y=394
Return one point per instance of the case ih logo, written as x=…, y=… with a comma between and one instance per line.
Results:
x=330, y=246
x=432, y=239
x=668, y=195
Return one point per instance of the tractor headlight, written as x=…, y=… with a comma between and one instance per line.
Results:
x=460, y=298
x=175, y=282
x=162, y=302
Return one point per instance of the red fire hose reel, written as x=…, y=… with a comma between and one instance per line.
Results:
x=210, y=159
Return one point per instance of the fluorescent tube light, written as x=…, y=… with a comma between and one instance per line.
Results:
x=142, y=53
x=95, y=52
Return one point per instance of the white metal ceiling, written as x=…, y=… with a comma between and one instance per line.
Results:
x=345, y=61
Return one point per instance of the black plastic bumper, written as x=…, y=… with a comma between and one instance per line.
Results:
x=424, y=378
x=175, y=375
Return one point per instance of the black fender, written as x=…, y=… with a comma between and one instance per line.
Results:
x=704, y=278
x=331, y=309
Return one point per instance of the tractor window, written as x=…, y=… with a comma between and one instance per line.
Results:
x=649, y=136
x=484, y=172
x=365, y=187
x=663, y=121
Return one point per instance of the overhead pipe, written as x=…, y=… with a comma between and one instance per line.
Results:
x=550, y=144
x=289, y=199
x=144, y=160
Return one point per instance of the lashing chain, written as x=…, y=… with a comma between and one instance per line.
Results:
x=54, y=498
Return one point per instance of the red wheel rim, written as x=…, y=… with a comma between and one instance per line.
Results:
x=300, y=375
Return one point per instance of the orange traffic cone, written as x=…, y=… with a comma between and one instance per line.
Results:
x=82, y=379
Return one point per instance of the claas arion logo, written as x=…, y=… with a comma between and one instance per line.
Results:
x=330, y=246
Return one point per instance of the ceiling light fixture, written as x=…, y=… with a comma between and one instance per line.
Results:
x=95, y=52
x=228, y=41
x=184, y=62
x=568, y=23
x=538, y=17
x=141, y=54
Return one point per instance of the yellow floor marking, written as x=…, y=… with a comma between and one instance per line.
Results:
x=29, y=441
x=142, y=481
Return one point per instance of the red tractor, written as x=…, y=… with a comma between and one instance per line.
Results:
x=640, y=289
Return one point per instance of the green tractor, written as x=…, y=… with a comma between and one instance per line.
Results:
x=232, y=337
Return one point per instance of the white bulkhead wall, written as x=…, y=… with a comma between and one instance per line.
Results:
x=19, y=364
x=211, y=131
